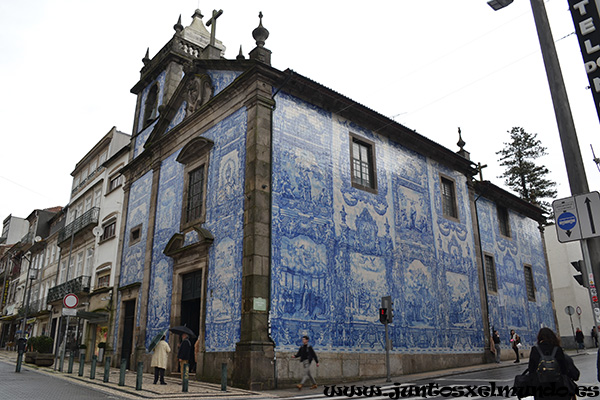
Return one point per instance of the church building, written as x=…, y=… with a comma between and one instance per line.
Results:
x=261, y=206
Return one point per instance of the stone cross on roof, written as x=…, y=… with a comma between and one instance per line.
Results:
x=213, y=21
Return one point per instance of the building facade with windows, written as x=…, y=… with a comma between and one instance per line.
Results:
x=261, y=206
x=87, y=243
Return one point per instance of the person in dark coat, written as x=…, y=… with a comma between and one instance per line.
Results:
x=185, y=352
x=547, y=341
x=496, y=339
x=579, y=338
x=306, y=354
x=595, y=336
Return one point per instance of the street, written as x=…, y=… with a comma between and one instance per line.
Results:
x=503, y=376
x=32, y=385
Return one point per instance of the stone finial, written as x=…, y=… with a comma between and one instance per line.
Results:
x=146, y=58
x=461, y=144
x=260, y=34
x=240, y=55
x=197, y=14
x=178, y=27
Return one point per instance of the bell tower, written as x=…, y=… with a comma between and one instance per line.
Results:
x=161, y=74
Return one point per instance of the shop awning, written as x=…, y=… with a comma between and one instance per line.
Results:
x=93, y=317
x=8, y=317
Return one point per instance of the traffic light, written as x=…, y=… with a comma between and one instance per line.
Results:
x=386, y=312
x=581, y=277
x=383, y=315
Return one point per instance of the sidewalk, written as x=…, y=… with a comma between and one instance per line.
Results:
x=290, y=392
x=172, y=390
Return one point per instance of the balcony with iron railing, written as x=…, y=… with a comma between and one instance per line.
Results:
x=88, y=219
x=76, y=286
x=37, y=306
x=27, y=239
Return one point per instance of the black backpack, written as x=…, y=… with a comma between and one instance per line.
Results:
x=548, y=370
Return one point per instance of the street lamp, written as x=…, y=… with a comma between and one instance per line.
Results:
x=498, y=4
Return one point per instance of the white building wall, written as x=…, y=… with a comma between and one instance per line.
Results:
x=567, y=291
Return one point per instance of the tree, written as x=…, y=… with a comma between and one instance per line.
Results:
x=522, y=174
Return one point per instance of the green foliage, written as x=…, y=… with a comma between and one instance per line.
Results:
x=44, y=344
x=522, y=174
x=41, y=344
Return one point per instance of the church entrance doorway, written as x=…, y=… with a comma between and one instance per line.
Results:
x=190, y=306
x=128, y=319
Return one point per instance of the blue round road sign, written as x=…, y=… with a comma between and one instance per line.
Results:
x=567, y=221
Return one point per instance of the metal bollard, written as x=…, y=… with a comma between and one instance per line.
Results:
x=224, y=377
x=81, y=363
x=71, y=359
x=122, y=372
x=140, y=372
x=185, y=375
x=93, y=367
x=106, y=369
x=19, y=361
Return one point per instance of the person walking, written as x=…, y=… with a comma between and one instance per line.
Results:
x=515, y=341
x=306, y=354
x=579, y=339
x=595, y=336
x=542, y=363
x=159, y=360
x=496, y=340
x=185, y=352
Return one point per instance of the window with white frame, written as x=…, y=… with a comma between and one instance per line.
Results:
x=89, y=261
x=109, y=230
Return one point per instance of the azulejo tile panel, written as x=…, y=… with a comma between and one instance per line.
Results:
x=140, y=140
x=337, y=249
x=510, y=308
x=224, y=219
x=222, y=78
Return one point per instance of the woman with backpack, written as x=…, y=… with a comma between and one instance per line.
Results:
x=550, y=367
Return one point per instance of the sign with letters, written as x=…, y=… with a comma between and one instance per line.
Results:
x=587, y=27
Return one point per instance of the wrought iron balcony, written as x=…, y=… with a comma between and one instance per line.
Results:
x=36, y=306
x=27, y=239
x=87, y=219
x=76, y=286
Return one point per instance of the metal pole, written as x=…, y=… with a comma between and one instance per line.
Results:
x=19, y=361
x=28, y=297
x=566, y=127
x=93, y=367
x=64, y=346
x=71, y=245
x=71, y=359
x=140, y=376
x=122, y=372
x=224, y=377
x=387, y=354
x=106, y=368
x=81, y=363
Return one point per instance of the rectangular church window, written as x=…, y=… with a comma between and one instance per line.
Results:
x=195, y=194
x=529, y=284
x=503, y=221
x=449, y=207
x=135, y=235
x=490, y=274
x=362, y=170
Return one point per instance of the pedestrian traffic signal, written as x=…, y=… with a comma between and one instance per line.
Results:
x=383, y=315
x=386, y=304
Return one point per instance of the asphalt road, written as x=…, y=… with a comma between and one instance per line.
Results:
x=500, y=376
x=32, y=385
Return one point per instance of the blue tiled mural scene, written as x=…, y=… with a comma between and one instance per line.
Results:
x=261, y=207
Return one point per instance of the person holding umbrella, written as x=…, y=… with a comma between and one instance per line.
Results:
x=159, y=360
x=185, y=351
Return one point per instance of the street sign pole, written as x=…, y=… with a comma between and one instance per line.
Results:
x=589, y=276
x=387, y=354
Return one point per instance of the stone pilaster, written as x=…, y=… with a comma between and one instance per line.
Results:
x=255, y=351
x=140, y=346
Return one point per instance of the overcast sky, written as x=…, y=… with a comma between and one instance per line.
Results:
x=435, y=65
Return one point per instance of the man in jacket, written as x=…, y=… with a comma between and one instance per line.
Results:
x=306, y=354
x=185, y=352
x=579, y=338
x=159, y=360
x=496, y=340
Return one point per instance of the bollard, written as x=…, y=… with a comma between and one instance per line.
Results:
x=122, y=372
x=71, y=359
x=93, y=367
x=62, y=360
x=81, y=363
x=185, y=375
x=224, y=377
x=140, y=372
x=19, y=361
x=106, y=369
